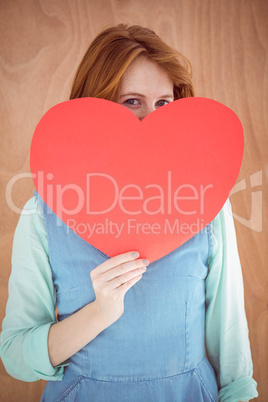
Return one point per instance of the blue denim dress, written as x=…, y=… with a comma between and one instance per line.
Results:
x=155, y=351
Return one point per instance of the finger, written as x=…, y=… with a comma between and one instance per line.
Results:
x=126, y=286
x=116, y=260
x=124, y=268
x=132, y=274
x=122, y=279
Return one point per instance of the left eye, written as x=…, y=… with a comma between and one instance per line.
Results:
x=161, y=102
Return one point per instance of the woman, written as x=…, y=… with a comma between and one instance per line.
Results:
x=124, y=332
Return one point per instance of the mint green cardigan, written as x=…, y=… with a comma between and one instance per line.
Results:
x=31, y=304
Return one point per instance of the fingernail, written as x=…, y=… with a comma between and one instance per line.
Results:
x=135, y=254
x=144, y=269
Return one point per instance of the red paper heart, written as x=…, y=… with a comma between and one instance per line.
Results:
x=178, y=166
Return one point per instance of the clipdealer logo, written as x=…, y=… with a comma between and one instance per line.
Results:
x=254, y=222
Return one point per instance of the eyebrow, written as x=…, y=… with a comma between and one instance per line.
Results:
x=143, y=96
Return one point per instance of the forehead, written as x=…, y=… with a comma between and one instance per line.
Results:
x=144, y=74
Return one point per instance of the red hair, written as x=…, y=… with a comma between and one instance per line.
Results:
x=108, y=56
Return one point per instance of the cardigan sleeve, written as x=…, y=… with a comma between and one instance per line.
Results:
x=227, y=340
x=30, y=309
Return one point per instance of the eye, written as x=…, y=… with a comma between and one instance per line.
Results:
x=161, y=102
x=131, y=102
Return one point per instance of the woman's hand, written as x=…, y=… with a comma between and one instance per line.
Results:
x=112, y=279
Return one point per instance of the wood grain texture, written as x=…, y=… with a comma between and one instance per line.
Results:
x=42, y=43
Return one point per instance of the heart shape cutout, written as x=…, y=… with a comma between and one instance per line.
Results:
x=123, y=184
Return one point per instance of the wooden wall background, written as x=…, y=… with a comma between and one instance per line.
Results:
x=42, y=42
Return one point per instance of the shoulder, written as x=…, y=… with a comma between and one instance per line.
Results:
x=222, y=231
x=31, y=226
x=223, y=222
x=224, y=215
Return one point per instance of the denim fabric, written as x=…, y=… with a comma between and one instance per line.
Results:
x=155, y=351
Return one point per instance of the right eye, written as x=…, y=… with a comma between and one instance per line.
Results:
x=131, y=102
